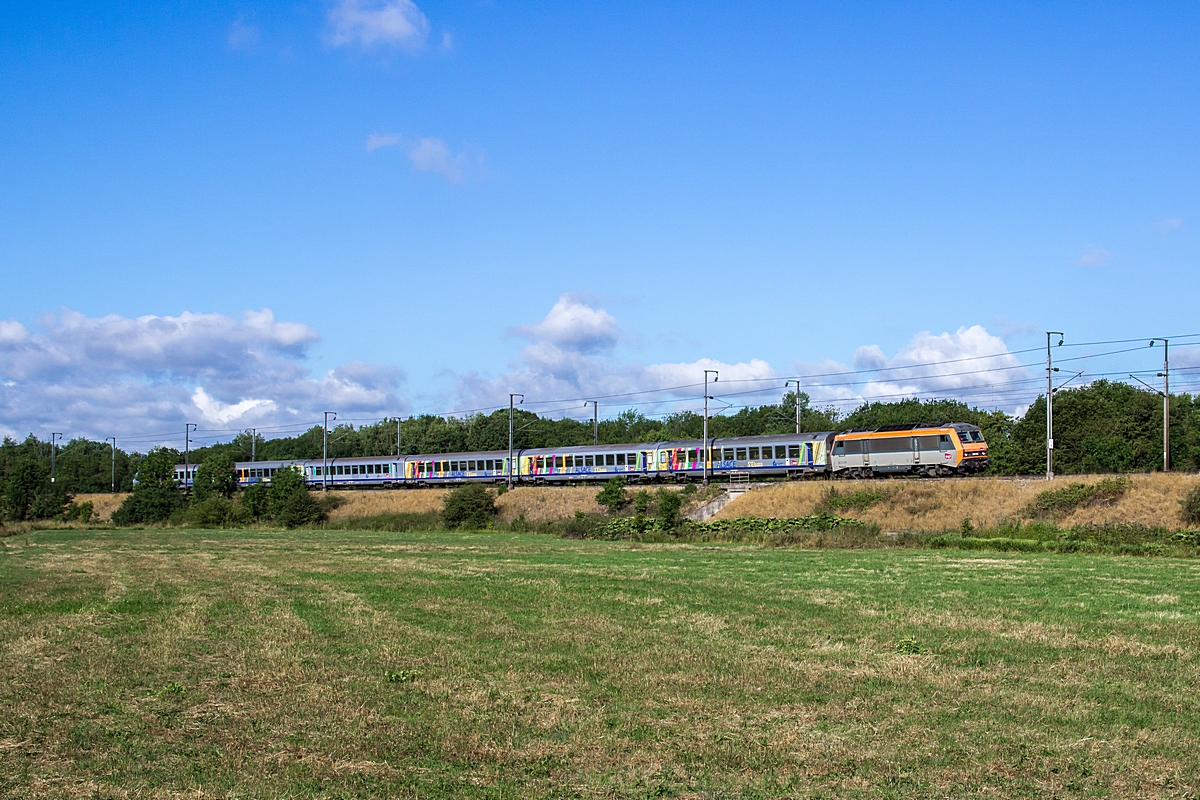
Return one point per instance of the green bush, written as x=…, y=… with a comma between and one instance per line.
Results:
x=29, y=494
x=148, y=505
x=290, y=502
x=469, y=507
x=1191, y=507
x=213, y=512
x=613, y=496
x=1060, y=502
x=79, y=511
x=216, y=477
x=857, y=500
x=255, y=501
x=669, y=503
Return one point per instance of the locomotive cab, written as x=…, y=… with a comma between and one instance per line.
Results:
x=974, y=448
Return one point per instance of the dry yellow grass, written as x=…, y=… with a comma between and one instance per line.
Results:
x=103, y=505
x=943, y=505
x=387, y=501
x=540, y=504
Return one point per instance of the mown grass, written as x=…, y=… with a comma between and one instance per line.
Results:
x=358, y=664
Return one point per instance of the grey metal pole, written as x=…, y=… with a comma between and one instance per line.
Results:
x=188, y=427
x=53, y=447
x=1166, y=393
x=253, y=442
x=113, y=484
x=1166, y=408
x=510, y=436
x=325, y=452
x=705, y=455
x=1050, y=404
x=595, y=420
x=397, y=438
x=787, y=384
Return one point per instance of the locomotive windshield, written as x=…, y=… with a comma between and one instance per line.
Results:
x=970, y=436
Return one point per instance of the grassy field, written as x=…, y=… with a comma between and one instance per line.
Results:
x=332, y=664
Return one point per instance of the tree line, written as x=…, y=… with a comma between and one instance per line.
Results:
x=1102, y=427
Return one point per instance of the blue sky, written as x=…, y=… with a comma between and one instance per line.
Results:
x=440, y=203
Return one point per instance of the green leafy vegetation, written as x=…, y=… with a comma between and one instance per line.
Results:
x=291, y=502
x=156, y=495
x=1191, y=507
x=1060, y=502
x=470, y=507
x=324, y=663
x=856, y=500
x=613, y=496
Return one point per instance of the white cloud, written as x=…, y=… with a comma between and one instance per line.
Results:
x=12, y=331
x=572, y=354
x=970, y=364
x=869, y=356
x=367, y=24
x=113, y=375
x=241, y=36
x=574, y=325
x=378, y=140
x=433, y=155
x=447, y=42
x=1169, y=225
x=221, y=413
x=1096, y=257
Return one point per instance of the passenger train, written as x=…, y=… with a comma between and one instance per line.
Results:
x=922, y=450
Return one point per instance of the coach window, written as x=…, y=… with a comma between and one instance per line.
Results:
x=753, y=455
x=727, y=454
x=558, y=462
x=610, y=460
x=794, y=451
x=741, y=454
x=589, y=461
x=620, y=459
